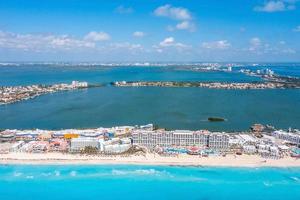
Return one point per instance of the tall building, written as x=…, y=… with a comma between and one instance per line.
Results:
x=80, y=143
x=218, y=141
x=180, y=138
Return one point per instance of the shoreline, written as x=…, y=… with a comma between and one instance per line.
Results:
x=247, y=161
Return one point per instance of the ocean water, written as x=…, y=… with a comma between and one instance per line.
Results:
x=147, y=182
x=173, y=108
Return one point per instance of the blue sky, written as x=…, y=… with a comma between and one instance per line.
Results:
x=150, y=30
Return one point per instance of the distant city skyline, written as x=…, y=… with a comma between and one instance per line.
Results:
x=150, y=30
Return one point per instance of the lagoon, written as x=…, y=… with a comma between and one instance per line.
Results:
x=173, y=108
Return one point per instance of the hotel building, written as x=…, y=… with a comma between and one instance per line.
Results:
x=80, y=143
x=180, y=138
x=291, y=137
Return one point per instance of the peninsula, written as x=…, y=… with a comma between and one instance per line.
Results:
x=12, y=94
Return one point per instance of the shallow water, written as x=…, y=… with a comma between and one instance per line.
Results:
x=147, y=182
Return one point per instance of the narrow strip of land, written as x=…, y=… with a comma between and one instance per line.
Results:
x=213, y=85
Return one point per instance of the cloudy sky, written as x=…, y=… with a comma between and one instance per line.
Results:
x=150, y=30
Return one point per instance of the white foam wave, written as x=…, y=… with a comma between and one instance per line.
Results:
x=267, y=184
x=73, y=173
x=17, y=174
x=137, y=172
x=46, y=174
x=56, y=173
x=295, y=178
x=146, y=171
x=29, y=177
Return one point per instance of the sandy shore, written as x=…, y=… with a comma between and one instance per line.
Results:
x=149, y=159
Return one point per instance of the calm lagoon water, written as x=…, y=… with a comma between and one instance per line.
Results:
x=180, y=108
x=26, y=75
x=148, y=182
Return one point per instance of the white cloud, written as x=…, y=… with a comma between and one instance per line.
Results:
x=177, y=13
x=185, y=25
x=297, y=29
x=255, y=44
x=282, y=42
x=167, y=42
x=41, y=42
x=288, y=51
x=255, y=41
x=126, y=45
x=56, y=43
x=138, y=34
x=221, y=44
x=170, y=43
x=68, y=43
x=276, y=6
x=124, y=10
x=180, y=14
x=97, y=36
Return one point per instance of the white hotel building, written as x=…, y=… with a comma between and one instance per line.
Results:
x=291, y=137
x=180, y=138
x=80, y=143
x=218, y=141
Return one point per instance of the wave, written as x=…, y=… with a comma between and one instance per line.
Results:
x=46, y=174
x=56, y=173
x=295, y=179
x=29, y=177
x=267, y=184
x=73, y=173
x=140, y=172
x=17, y=174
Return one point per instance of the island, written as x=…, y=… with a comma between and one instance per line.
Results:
x=269, y=80
x=213, y=85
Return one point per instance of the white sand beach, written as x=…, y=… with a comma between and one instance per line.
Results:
x=149, y=159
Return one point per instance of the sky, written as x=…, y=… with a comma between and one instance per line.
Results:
x=150, y=30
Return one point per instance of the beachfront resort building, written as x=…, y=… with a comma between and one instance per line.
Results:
x=78, y=144
x=218, y=141
x=180, y=138
x=249, y=149
x=288, y=136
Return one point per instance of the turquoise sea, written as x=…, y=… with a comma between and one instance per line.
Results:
x=173, y=108
x=147, y=182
